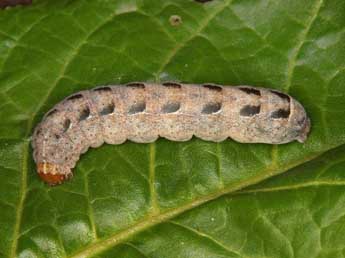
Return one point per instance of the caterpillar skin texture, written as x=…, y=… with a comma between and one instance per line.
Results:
x=142, y=112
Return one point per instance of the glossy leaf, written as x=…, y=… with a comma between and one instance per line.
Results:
x=170, y=199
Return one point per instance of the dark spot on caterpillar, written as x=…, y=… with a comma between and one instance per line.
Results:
x=107, y=110
x=66, y=125
x=57, y=136
x=38, y=132
x=103, y=89
x=171, y=107
x=137, y=108
x=136, y=85
x=51, y=112
x=5, y=3
x=211, y=108
x=281, y=95
x=172, y=85
x=249, y=110
x=84, y=114
x=175, y=20
x=75, y=96
x=213, y=87
x=280, y=113
x=251, y=91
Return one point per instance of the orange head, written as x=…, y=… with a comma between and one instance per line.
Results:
x=51, y=173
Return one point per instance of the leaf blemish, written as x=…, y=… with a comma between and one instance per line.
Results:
x=175, y=20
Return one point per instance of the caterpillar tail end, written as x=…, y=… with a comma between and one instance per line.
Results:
x=51, y=173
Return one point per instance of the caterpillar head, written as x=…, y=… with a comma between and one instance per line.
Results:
x=53, y=174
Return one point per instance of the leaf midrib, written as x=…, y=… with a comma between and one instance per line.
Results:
x=22, y=194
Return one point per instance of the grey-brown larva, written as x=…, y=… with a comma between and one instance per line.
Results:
x=142, y=112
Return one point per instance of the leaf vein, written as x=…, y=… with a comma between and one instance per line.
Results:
x=153, y=193
x=20, y=206
x=301, y=40
x=30, y=28
x=323, y=183
x=152, y=220
x=206, y=236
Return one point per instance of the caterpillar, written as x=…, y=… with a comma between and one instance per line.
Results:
x=142, y=112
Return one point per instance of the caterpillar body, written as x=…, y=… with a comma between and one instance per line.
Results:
x=142, y=112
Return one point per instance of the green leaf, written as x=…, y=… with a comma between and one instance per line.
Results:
x=169, y=199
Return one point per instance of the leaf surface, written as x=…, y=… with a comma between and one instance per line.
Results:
x=170, y=199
